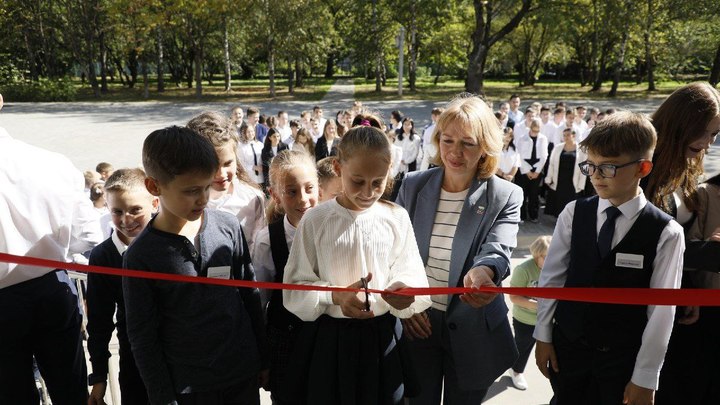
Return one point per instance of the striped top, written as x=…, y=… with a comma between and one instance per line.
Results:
x=443, y=232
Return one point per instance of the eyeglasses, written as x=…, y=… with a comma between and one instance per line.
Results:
x=607, y=171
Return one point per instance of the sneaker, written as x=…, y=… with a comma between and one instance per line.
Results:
x=518, y=380
x=534, y=220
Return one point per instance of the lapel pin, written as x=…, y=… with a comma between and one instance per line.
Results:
x=480, y=210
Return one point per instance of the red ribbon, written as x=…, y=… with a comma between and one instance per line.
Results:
x=633, y=296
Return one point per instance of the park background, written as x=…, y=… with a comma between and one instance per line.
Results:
x=255, y=50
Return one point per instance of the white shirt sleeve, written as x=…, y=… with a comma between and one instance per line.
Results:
x=554, y=272
x=667, y=273
x=263, y=263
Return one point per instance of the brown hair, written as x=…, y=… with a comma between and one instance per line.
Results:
x=624, y=132
x=679, y=121
x=220, y=131
x=174, y=151
x=103, y=166
x=283, y=162
x=473, y=114
x=364, y=139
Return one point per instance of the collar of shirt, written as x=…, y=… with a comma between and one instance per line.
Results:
x=630, y=211
x=289, y=231
x=119, y=245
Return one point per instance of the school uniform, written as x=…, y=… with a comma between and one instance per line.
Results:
x=563, y=178
x=321, y=148
x=195, y=342
x=270, y=256
x=533, y=154
x=104, y=295
x=249, y=155
x=509, y=160
x=411, y=148
x=602, y=347
x=359, y=361
x=268, y=153
x=516, y=115
x=46, y=214
x=247, y=203
x=261, y=132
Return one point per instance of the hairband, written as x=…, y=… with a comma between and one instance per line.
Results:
x=365, y=123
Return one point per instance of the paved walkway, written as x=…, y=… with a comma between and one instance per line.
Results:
x=104, y=131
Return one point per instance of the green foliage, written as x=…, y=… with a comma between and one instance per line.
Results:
x=41, y=90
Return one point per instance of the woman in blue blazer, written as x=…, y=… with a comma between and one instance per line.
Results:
x=466, y=223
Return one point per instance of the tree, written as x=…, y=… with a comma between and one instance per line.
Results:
x=483, y=37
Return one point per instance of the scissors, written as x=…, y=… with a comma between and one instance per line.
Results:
x=364, y=283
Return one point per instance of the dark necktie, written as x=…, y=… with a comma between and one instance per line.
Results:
x=533, y=156
x=606, y=232
x=254, y=156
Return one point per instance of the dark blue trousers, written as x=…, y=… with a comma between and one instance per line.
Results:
x=40, y=318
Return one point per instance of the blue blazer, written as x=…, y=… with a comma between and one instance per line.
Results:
x=481, y=341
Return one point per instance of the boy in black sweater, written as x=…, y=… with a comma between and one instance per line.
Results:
x=131, y=207
x=193, y=343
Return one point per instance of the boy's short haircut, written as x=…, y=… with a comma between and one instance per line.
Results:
x=570, y=110
x=90, y=178
x=560, y=104
x=595, y=110
x=294, y=124
x=174, y=151
x=317, y=107
x=544, y=108
x=124, y=180
x=539, y=247
x=103, y=167
x=572, y=131
x=559, y=110
x=262, y=119
x=622, y=133
x=513, y=96
x=610, y=111
x=304, y=114
x=325, y=170
x=437, y=111
x=530, y=109
x=580, y=107
x=252, y=110
x=280, y=113
x=216, y=127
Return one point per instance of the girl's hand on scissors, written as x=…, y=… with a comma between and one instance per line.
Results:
x=350, y=304
x=398, y=302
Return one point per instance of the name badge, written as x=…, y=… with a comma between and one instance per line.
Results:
x=222, y=272
x=628, y=260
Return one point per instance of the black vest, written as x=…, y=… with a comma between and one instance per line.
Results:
x=608, y=325
x=277, y=315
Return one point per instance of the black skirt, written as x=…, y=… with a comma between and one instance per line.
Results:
x=351, y=362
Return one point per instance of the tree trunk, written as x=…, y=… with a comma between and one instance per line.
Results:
x=146, y=81
x=715, y=72
x=483, y=38
x=198, y=72
x=160, y=61
x=330, y=64
x=92, y=77
x=376, y=43
x=226, y=54
x=31, y=57
x=133, y=67
x=103, y=64
x=414, y=44
x=271, y=69
x=121, y=71
x=595, y=71
x=291, y=78
x=189, y=68
x=597, y=84
x=619, y=63
x=298, y=72
x=649, y=60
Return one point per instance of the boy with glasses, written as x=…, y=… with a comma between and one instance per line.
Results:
x=610, y=353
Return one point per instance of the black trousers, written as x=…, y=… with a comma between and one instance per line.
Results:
x=531, y=201
x=41, y=318
x=525, y=342
x=590, y=376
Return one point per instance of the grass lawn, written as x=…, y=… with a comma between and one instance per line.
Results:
x=254, y=90
x=502, y=89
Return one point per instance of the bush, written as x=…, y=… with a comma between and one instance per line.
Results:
x=42, y=90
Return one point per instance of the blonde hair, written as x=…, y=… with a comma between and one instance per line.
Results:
x=474, y=115
x=326, y=169
x=123, y=180
x=539, y=247
x=283, y=162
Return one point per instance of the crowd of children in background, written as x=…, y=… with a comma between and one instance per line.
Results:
x=269, y=172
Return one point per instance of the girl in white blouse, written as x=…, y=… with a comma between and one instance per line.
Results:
x=355, y=239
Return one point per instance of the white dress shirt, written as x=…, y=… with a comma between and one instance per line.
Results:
x=43, y=213
x=247, y=204
x=667, y=273
x=410, y=150
x=525, y=147
x=335, y=246
x=248, y=153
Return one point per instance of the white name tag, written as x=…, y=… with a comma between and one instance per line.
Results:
x=222, y=272
x=628, y=260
